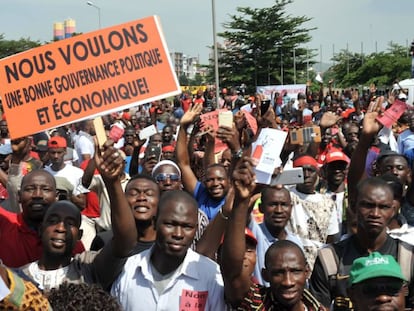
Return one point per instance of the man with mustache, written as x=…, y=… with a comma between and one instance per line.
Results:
x=19, y=238
x=60, y=230
x=374, y=210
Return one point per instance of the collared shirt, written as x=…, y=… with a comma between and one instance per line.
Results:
x=198, y=285
x=207, y=204
x=405, y=141
x=264, y=240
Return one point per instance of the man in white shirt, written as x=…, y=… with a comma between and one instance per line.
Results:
x=84, y=144
x=56, y=147
x=170, y=276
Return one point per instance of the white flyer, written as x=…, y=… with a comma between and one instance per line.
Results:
x=266, y=153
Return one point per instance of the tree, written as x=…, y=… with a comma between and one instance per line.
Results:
x=379, y=68
x=198, y=79
x=259, y=46
x=183, y=80
x=10, y=47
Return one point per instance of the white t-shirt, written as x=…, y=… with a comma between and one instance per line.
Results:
x=84, y=145
x=72, y=173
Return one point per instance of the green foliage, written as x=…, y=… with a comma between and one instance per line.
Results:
x=353, y=69
x=259, y=46
x=183, y=80
x=198, y=79
x=10, y=47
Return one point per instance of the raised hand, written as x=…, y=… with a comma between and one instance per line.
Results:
x=191, y=114
x=109, y=161
x=244, y=179
x=240, y=120
x=329, y=119
x=230, y=136
x=370, y=126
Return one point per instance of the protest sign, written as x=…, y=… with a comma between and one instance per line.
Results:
x=211, y=124
x=266, y=153
x=86, y=76
x=291, y=90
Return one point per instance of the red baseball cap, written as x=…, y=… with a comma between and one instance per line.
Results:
x=250, y=236
x=57, y=142
x=305, y=160
x=168, y=148
x=336, y=155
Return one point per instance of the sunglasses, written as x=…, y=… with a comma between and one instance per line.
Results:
x=391, y=288
x=164, y=177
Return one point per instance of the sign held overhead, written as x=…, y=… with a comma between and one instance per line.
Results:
x=86, y=76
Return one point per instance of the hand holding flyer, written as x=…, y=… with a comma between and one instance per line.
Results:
x=266, y=153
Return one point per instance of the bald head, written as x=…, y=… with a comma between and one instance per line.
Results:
x=177, y=196
x=279, y=247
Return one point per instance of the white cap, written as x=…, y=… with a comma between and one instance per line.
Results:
x=402, y=96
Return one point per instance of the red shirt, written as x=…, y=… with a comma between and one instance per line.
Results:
x=199, y=101
x=186, y=103
x=92, y=209
x=19, y=244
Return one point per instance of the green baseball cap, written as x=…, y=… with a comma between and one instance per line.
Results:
x=374, y=266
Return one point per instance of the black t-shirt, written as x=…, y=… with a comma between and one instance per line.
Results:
x=348, y=250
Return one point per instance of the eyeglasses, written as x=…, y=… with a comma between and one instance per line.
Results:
x=164, y=177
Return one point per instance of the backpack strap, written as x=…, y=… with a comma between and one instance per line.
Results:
x=405, y=259
x=329, y=260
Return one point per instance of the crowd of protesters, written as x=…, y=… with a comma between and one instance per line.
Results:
x=169, y=221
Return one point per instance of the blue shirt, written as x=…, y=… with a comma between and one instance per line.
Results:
x=264, y=240
x=206, y=203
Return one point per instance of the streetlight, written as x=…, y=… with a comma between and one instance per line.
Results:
x=216, y=69
x=294, y=66
x=90, y=3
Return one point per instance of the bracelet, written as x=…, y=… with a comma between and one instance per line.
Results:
x=238, y=154
x=222, y=215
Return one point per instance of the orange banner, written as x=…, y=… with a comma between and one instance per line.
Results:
x=86, y=76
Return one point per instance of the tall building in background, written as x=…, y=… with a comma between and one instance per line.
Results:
x=185, y=65
x=64, y=30
x=177, y=62
x=70, y=26
x=58, y=31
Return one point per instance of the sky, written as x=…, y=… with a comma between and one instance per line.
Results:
x=362, y=25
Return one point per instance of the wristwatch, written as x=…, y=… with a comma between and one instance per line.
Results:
x=238, y=154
